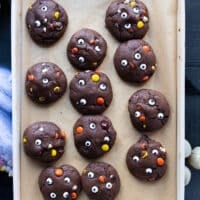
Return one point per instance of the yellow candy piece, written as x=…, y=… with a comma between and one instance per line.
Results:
x=153, y=68
x=145, y=154
x=30, y=8
x=140, y=24
x=94, y=63
x=31, y=89
x=144, y=126
x=3, y=168
x=105, y=147
x=53, y=153
x=56, y=15
x=41, y=99
x=56, y=89
x=84, y=171
x=95, y=77
x=24, y=140
x=132, y=4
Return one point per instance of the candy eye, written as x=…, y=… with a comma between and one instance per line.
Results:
x=109, y=185
x=94, y=189
x=81, y=59
x=97, y=48
x=83, y=102
x=37, y=23
x=81, y=41
x=106, y=139
x=124, y=62
x=67, y=180
x=44, y=8
x=103, y=86
x=136, y=10
x=45, y=80
x=124, y=15
x=49, y=181
x=160, y=115
x=136, y=158
x=137, y=114
x=138, y=56
x=152, y=102
x=88, y=143
x=81, y=82
x=38, y=142
x=143, y=67
x=53, y=195
x=92, y=126
x=127, y=26
x=155, y=152
x=65, y=195
x=148, y=171
x=90, y=175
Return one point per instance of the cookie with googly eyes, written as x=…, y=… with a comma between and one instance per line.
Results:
x=94, y=135
x=90, y=92
x=46, y=22
x=100, y=181
x=44, y=141
x=146, y=159
x=60, y=183
x=127, y=19
x=45, y=83
x=135, y=61
x=149, y=110
x=86, y=49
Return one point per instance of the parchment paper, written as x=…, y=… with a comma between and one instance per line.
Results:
x=163, y=39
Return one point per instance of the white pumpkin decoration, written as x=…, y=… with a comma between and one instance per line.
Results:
x=188, y=149
x=194, y=159
x=187, y=175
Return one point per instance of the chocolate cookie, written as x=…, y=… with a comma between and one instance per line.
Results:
x=135, y=61
x=94, y=135
x=90, y=92
x=149, y=110
x=86, y=49
x=127, y=19
x=44, y=141
x=46, y=21
x=146, y=159
x=45, y=83
x=100, y=181
x=60, y=183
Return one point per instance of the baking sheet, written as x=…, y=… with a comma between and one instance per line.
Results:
x=168, y=47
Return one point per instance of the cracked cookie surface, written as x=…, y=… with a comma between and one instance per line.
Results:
x=148, y=109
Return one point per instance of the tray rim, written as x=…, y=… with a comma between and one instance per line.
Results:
x=16, y=14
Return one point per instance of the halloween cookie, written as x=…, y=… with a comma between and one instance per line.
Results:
x=100, y=181
x=94, y=135
x=149, y=110
x=127, y=19
x=44, y=141
x=146, y=159
x=60, y=183
x=46, y=21
x=45, y=83
x=86, y=49
x=90, y=92
x=135, y=61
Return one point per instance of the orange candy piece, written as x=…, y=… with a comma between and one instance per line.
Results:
x=63, y=134
x=142, y=118
x=79, y=130
x=74, y=195
x=58, y=172
x=102, y=179
x=146, y=48
x=100, y=100
x=160, y=161
x=74, y=50
x=31, y=77
x=145, y=78
x=56, y=135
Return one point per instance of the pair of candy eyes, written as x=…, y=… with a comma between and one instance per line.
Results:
x=88, y=143
x=124, y=14
x=93, y=125
x=82, y=42
x=95, y=189
x=102, y=86
x=65, y=195
x=50, y=180
x=154, y=152
x=160, y=115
